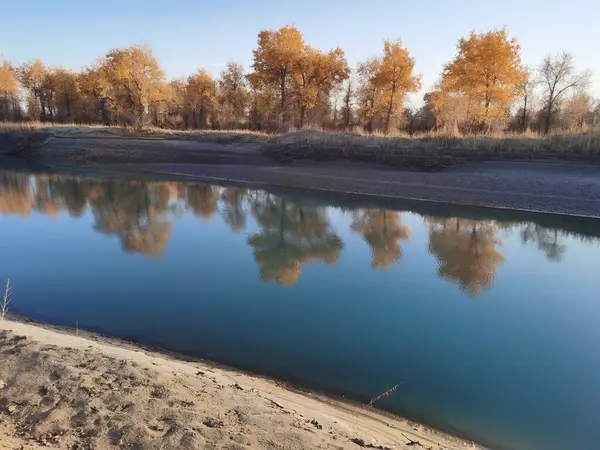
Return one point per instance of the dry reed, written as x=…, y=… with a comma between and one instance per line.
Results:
x=5, y=300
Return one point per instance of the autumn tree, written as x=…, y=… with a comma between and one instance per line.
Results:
x=578, y=112
x=233, y=96
x=275, y=60
x=66, y=88
x=488, y=71
x=158, y=108
x=135, y=78
x=32, y=76
x=316, y=72
x=200, y=97
x=175, y=105
x=9, y=93
x=369, y=94
x=99, y=95
x=384, y=83
x=396, y=79
x=557, y=75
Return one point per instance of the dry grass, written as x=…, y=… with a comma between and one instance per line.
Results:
x=74, y=129
x=5, y=300
x=432, y=150
x=219, y=136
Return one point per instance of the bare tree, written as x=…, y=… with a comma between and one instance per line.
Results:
x=557, y=75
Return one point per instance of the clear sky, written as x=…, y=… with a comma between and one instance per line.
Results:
x=188, y=34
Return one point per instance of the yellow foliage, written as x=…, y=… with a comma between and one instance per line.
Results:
x=384, y=83
x=487, y=71
x=135, y=78
x=316, y=71
x=8, y=80
x=200, y=95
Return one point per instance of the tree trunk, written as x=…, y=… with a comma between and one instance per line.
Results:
x=389, y=111
x=282, y=93
x=548, y=119
x=302, y=115
x=525, y=114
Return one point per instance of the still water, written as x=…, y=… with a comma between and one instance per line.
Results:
x=490, y=320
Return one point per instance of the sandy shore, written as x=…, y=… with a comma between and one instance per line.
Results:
x=67, y=391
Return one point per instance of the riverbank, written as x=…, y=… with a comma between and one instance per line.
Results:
x=536, y=176
x=64, y=390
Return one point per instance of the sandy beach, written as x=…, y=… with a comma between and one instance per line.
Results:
x=63, y=390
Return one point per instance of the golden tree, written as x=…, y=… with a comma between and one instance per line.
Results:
x=488, y=71
x=9, y=92
x=135, y=77
x=396, y=78
x=200, y=96
x=450, y=110
x=384, y=83
x=98, y=94
x=317, y=72
x=32, y=76
x=175, y=104
x=275, y=60
x=66, y=88
x=369, y=95
x=233, y=95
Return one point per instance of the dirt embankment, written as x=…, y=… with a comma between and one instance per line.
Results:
x=542, y=186
x=63, y=391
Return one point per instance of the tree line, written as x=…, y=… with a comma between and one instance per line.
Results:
x=288, y=236
x=485, y=87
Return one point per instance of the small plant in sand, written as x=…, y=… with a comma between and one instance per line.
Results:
x=5, y=299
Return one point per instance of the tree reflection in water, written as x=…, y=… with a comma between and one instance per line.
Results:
x=290, y=234
x=382, y=230
x=466, y=252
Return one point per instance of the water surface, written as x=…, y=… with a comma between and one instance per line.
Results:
x=488, y=318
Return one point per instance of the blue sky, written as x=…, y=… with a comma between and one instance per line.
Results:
x=187, y=34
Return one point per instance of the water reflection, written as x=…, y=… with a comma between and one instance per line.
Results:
x=291, y=231
x=382, y=230
x=466, y=251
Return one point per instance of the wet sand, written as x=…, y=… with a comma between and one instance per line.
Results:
x=65, y=391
